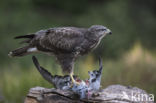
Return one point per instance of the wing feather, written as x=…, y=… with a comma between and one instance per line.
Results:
x=62, y=38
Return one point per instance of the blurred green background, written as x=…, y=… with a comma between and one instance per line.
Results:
x=129, y=54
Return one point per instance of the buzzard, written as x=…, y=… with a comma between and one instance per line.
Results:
x=65, y=43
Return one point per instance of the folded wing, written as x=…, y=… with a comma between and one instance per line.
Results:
x=66, y=38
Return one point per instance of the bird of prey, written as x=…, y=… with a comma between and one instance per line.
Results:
x=65, y=43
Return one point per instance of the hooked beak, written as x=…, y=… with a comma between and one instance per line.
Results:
x=109, y=32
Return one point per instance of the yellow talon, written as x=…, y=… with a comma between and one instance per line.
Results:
x=73, y=80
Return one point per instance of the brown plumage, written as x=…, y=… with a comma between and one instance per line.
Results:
x=66, y=43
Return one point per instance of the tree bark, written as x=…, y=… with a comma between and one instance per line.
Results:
x=111, y=94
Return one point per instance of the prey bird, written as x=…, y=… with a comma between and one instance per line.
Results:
x=84, y=89
x=65, y=43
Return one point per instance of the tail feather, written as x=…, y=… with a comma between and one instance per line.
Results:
x=19, y=52
x=100, y=65
x=25, y=36
x=45, y=74
x=23, y=50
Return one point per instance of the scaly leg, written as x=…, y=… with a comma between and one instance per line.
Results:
x=73, y=80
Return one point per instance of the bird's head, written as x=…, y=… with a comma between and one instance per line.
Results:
x=94, y=74
x=99, y=31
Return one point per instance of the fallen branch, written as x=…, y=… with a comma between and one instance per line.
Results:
x=112, y=94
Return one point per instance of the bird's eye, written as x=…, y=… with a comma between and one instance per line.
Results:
x=103, y=29
x=100, y=29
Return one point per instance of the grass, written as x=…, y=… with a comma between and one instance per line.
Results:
x=136, y=68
